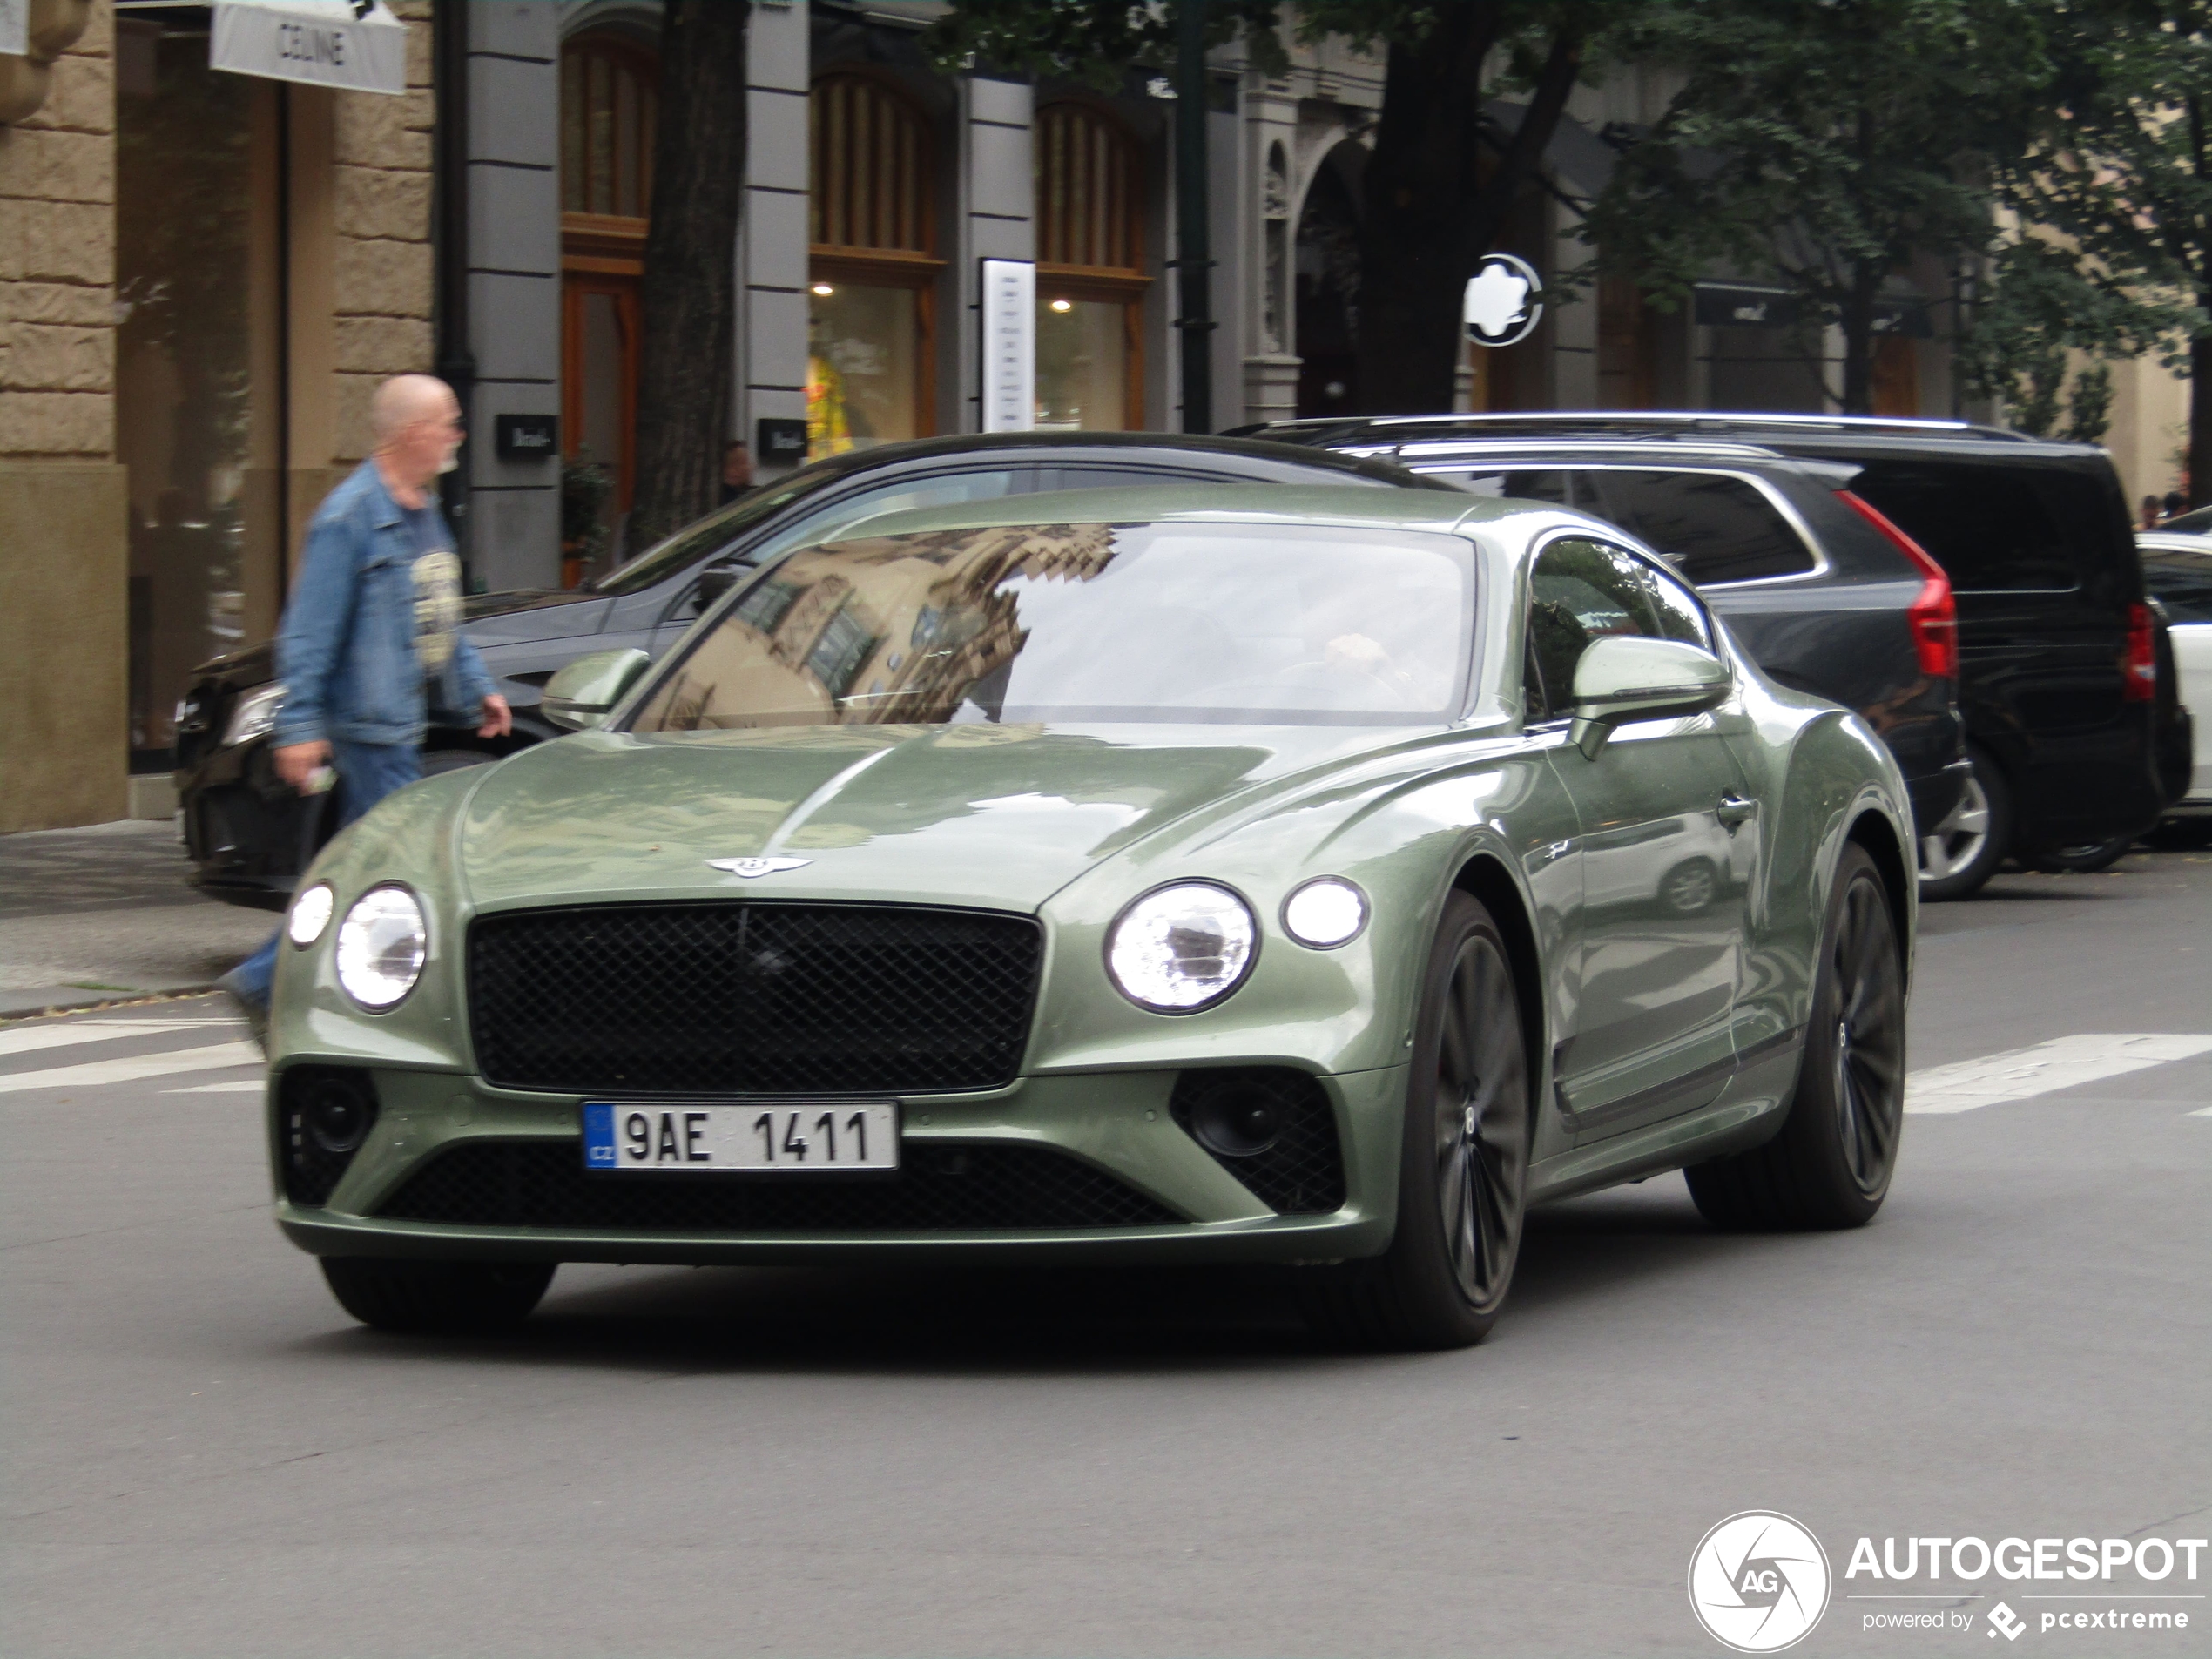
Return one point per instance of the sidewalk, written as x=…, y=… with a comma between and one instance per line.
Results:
x=102, y=914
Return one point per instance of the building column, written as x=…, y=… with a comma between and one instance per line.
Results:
x=64, y=548
x=1268, y=295
x=514, y=264
x=770, y=381
x=996, y=204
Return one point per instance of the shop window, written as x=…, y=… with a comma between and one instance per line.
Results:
x=1090, y=276
x=873, y=266
x=607, y=117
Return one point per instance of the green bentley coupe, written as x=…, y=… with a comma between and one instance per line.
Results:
x=1314, y=877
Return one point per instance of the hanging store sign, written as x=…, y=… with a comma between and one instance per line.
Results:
x=1009, y=346
x=15, y=27
x=357, y=44
x=1757, y=305
x=1504, y=301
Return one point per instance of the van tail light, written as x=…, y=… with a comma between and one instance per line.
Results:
x=2139, y=664
x=1933, y=615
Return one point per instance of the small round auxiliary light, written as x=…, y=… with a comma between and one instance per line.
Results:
x=310, y=913
x=1325, y=913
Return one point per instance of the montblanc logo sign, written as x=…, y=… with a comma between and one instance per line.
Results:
x=1503, y=302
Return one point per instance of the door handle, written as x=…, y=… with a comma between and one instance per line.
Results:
x=1735, y=811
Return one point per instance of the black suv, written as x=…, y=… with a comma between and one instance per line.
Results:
x=1837, y=548
x=249, y=835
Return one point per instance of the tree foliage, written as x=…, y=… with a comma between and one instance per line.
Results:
x=1823, y=144
x=1442, y=180
x=2119, y=174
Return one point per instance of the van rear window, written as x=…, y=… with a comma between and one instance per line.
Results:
x=1997, y=529
x=1717, y=528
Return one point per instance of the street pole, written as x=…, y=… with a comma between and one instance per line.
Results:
x=1192, y=260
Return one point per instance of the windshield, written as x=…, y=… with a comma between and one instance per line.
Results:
x=1201, y=623
x=711, y=534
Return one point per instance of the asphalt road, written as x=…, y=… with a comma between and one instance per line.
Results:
x=203, y=1456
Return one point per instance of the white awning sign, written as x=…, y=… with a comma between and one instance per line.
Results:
x=357, y=44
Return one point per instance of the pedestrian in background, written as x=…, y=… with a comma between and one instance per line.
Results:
x=370, y=643
x=2176, y=503
x=737, y=471
x=2149, y=511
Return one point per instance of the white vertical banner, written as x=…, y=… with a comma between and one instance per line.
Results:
x=15, y=27
x=1009, y=345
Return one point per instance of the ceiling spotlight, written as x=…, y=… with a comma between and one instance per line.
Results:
x=1063, y=304
x=824, y=289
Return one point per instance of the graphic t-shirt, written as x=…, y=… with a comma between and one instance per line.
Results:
x=437, y=588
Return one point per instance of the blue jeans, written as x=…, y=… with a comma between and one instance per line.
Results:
x=366, y=772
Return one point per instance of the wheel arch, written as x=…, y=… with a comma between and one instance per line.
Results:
x=1484, y=877
x=1871, y=831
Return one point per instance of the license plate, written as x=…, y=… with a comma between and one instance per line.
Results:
x=652, y=1138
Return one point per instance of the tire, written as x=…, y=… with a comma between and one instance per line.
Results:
x=1964, y=850
x=1689, y=888
x=441, y=1298
x=1461, y=1195
x=1830, y=1165
x=2080, y=861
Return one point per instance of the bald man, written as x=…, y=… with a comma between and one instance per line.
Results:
x=371, y=646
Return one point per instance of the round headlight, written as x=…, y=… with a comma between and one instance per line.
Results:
x=1182, y=947
x=381, y=946
x=310, y=913
x=1325, y=913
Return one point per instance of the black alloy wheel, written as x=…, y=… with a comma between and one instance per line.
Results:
x=1831, y=1163
x=1464, y=1176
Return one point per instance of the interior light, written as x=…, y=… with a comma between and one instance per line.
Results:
x=824, y=289
x=1063, y=304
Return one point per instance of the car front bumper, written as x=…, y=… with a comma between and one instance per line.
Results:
x=1115, y=1124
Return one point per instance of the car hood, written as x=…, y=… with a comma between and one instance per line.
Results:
x=995, y=816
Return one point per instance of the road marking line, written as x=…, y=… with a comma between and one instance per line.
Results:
x=244, y=1086
x=61, y=1037
x=217, y=1056
x=2043, y=1068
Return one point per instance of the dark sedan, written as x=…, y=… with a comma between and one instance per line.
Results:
x=249, y=835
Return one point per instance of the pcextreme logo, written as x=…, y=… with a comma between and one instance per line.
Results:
x=1758, y=1581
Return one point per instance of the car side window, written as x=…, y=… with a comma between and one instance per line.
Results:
x=2182, y=582
x=1717, y=528
x=1579, y=590
x=1681, y=617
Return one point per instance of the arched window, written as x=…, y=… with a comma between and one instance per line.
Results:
x=872, y=265
x=608, y=119
x=1090, y=270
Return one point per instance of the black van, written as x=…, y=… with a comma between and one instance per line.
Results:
x=2058, y=679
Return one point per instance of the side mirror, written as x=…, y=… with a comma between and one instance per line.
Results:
x=582, y=695
x=1623, y=677
x=715, y=581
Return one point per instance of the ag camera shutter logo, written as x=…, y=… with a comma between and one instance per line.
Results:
x=1758, y=1581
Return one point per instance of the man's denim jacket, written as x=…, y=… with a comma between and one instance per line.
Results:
x=346, y=652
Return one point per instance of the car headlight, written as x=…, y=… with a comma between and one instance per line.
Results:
x=253, y=714
x=1182, y=947
x=310, y=913
x=381, y=945
x=1325, y=913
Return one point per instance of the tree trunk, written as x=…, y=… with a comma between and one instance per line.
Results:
x=1857, y=317
x=1432, y=204
x=2199, y=485
x=689, y=294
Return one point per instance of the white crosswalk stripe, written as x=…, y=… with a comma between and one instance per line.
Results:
x=2044, y=1069
x=137, y=1067
x=31, y=1039
x=243, y=1085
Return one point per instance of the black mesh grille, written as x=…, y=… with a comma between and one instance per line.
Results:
x=751, y=999
x=323, y=1115
x=1300, y=1170
x=544, y=1183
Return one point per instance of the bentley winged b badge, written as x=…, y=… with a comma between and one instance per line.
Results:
x=750, y=868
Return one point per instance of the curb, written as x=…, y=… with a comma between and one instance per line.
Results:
x=91, y=1000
